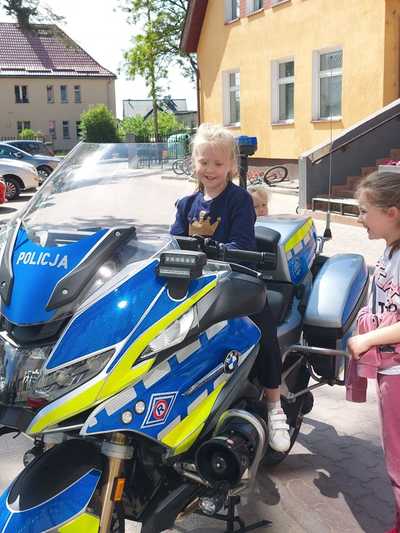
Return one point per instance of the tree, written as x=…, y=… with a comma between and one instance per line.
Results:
x=23, y=10
x=137, y=126
x=157, y=46
x=99, y=125
x=168, y=123
x=143, y=128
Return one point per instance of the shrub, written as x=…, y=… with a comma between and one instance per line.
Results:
x=99, y=125
x=29, y=134
x=137, y=126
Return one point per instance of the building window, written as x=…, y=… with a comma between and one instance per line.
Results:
x=327, y=90
x=52, y=129
x=63, y=94
x=50, y=94
x=78, y=129
x=276, y=2
x=283, y=91
x=21, y=94
x=65, y=129
x=232, y=10
x=254, y=5
x=23, y=125
x=77, y=94
x=231, y=93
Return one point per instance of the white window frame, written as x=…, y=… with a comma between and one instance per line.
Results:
x=228, y=11
x=66, y=133
x=316, y=99
x=277, y=2
x=64, y=94
x=226, y=90
x=275, y=83
x=21, y=94
x=77, y=94
x=252, y=6
x=50, y=94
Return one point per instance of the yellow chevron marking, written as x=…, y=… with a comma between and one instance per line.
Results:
x=182, y=436
x=85, y=522
x=298, y=236
x=123, y=374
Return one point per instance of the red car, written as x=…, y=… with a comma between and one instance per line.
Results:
x=2, y=191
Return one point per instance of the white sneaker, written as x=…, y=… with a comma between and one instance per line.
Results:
x=278, y=430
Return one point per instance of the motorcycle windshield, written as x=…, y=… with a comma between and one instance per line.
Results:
x=107, y=186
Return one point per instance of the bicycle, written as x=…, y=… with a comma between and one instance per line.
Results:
x=183, y=166
x=275, y=175
x=270, y=177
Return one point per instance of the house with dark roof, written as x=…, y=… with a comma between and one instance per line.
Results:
x=177, y=106
x=46, y=81
x=292, y=71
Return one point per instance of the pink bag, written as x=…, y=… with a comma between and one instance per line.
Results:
x=378, y=357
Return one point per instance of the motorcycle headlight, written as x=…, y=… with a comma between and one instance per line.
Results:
x=173, y=334
x=55, y=383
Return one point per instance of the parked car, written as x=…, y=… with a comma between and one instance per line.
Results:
x=44, y=164
x=3, y=198
x=18, y=176
x=32, y=147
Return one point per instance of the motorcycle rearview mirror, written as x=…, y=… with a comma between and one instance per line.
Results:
x=180, y=267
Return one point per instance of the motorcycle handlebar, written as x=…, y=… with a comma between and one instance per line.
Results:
x=244, y=256
x=216, y=250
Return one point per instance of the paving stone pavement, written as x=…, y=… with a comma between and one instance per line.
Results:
x=334, y=479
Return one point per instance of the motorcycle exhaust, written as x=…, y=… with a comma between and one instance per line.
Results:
x=236, y=447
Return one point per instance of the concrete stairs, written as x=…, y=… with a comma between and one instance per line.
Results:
x=342, y=196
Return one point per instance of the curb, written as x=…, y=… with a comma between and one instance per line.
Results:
x=174, y=177
x=284, y=190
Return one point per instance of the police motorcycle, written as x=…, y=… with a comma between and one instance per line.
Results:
x=126, y=354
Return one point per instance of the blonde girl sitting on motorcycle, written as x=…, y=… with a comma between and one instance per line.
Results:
x=221, y=210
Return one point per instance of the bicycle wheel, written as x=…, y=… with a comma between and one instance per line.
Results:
x=177, y=167
x=275, y=175
x=187, y=166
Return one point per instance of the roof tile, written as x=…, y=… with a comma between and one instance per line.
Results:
x=44, y=49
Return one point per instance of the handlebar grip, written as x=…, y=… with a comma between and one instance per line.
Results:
x=246, y=256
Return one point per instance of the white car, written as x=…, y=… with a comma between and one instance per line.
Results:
x=18, y=176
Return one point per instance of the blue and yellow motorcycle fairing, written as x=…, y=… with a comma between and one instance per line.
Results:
x=130, y=360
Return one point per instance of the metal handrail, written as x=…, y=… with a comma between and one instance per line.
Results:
x=359, y=136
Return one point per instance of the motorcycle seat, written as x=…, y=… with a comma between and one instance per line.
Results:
x=267, y=239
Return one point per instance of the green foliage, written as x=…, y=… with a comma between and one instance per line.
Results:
x=23, y=10
x=168, y=123
x=28, y=133
x=157, y=46
x=136, y=126
x=99, y=125
x=141, y=128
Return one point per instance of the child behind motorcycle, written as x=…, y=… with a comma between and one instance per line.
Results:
x=259, y=195
x=222, y=210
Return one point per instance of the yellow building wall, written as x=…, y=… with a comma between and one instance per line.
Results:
x=391, y=89
x=39, y=112
x=364, y=29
